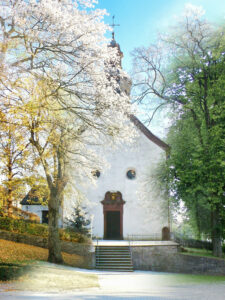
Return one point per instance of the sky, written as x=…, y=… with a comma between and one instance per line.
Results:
x=141, y=20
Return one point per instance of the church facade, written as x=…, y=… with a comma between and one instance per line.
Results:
x=125, y=201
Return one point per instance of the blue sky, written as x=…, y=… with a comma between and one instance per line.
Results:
x=140, y=20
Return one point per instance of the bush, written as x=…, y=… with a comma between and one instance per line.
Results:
x=192, y=243
x=29, y=227
x=23, y=226
x=12, y=271
x=223, y=248
x=72, y=236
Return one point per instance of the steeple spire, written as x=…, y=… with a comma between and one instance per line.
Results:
x=115, y=69
x=113, y=25
x=113, y=42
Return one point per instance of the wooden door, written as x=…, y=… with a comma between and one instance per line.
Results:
x=113, y=225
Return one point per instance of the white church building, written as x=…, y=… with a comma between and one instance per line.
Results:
x=125, y=200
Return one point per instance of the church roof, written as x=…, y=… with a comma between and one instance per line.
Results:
x=34, y=198
x=149, y=134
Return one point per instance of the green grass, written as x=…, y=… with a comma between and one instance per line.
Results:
x=180, y=279
x=201, y=252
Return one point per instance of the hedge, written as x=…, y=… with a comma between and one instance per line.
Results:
x=12, y=271
x=29, y=227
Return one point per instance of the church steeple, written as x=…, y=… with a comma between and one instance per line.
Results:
x=113, y=42
x=113, y=25
x=116, y=69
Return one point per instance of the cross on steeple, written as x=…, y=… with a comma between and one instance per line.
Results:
x=113, y=25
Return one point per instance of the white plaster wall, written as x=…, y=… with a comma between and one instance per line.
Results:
x=37, y=209
x=139, y=218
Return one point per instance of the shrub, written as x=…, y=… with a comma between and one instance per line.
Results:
x=29, y=227
x=72, y=236
x=23, y=226
x=12, y=271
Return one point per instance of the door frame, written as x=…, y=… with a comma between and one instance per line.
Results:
x=113, y=202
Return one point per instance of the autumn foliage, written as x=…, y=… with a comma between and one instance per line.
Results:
x=11, y=252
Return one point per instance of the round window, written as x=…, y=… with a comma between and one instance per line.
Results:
x=96, y=173
x=131, y=174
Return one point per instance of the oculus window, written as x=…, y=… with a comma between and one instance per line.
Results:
x=96, y=173
x=131, y=174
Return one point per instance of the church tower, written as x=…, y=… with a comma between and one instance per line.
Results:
x=116, y=70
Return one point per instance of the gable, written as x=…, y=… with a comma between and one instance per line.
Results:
x=149, y=134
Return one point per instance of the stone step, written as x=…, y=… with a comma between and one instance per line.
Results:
x=105, y=265
x=117, y=269
x=113, y=261
x=115, y=266
x=113, y=258
x=112, y=248
x=113, y=251
x=113, y=254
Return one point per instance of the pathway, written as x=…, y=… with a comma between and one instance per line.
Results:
x=136, y=285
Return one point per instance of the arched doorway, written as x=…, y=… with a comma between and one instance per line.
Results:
x=113, y=215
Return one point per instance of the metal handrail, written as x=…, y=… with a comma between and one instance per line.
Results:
x=97, y=252
x=130, y=250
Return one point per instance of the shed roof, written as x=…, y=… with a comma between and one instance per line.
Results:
x=35, y=197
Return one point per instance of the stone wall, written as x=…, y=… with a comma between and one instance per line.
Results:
x=166, y=259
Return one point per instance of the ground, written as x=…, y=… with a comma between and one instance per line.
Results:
x=112, y=285
x=11, y=252
x=201, y=252
x=45, y=281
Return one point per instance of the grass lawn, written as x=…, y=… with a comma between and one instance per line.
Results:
x=200, y=252
x=178, y=279
x=11, y=252
x=28, y=264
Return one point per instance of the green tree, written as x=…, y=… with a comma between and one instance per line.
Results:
x=186, y=70
x=186, y=174
x=79, y=219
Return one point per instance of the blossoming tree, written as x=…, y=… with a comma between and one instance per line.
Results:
x=55, y=62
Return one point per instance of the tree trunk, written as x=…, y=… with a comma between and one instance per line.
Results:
x=10, y=191
x=54, y=244
x=216, y=232
x=9, y=202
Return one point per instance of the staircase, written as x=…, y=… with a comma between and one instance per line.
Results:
x=113, y=258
